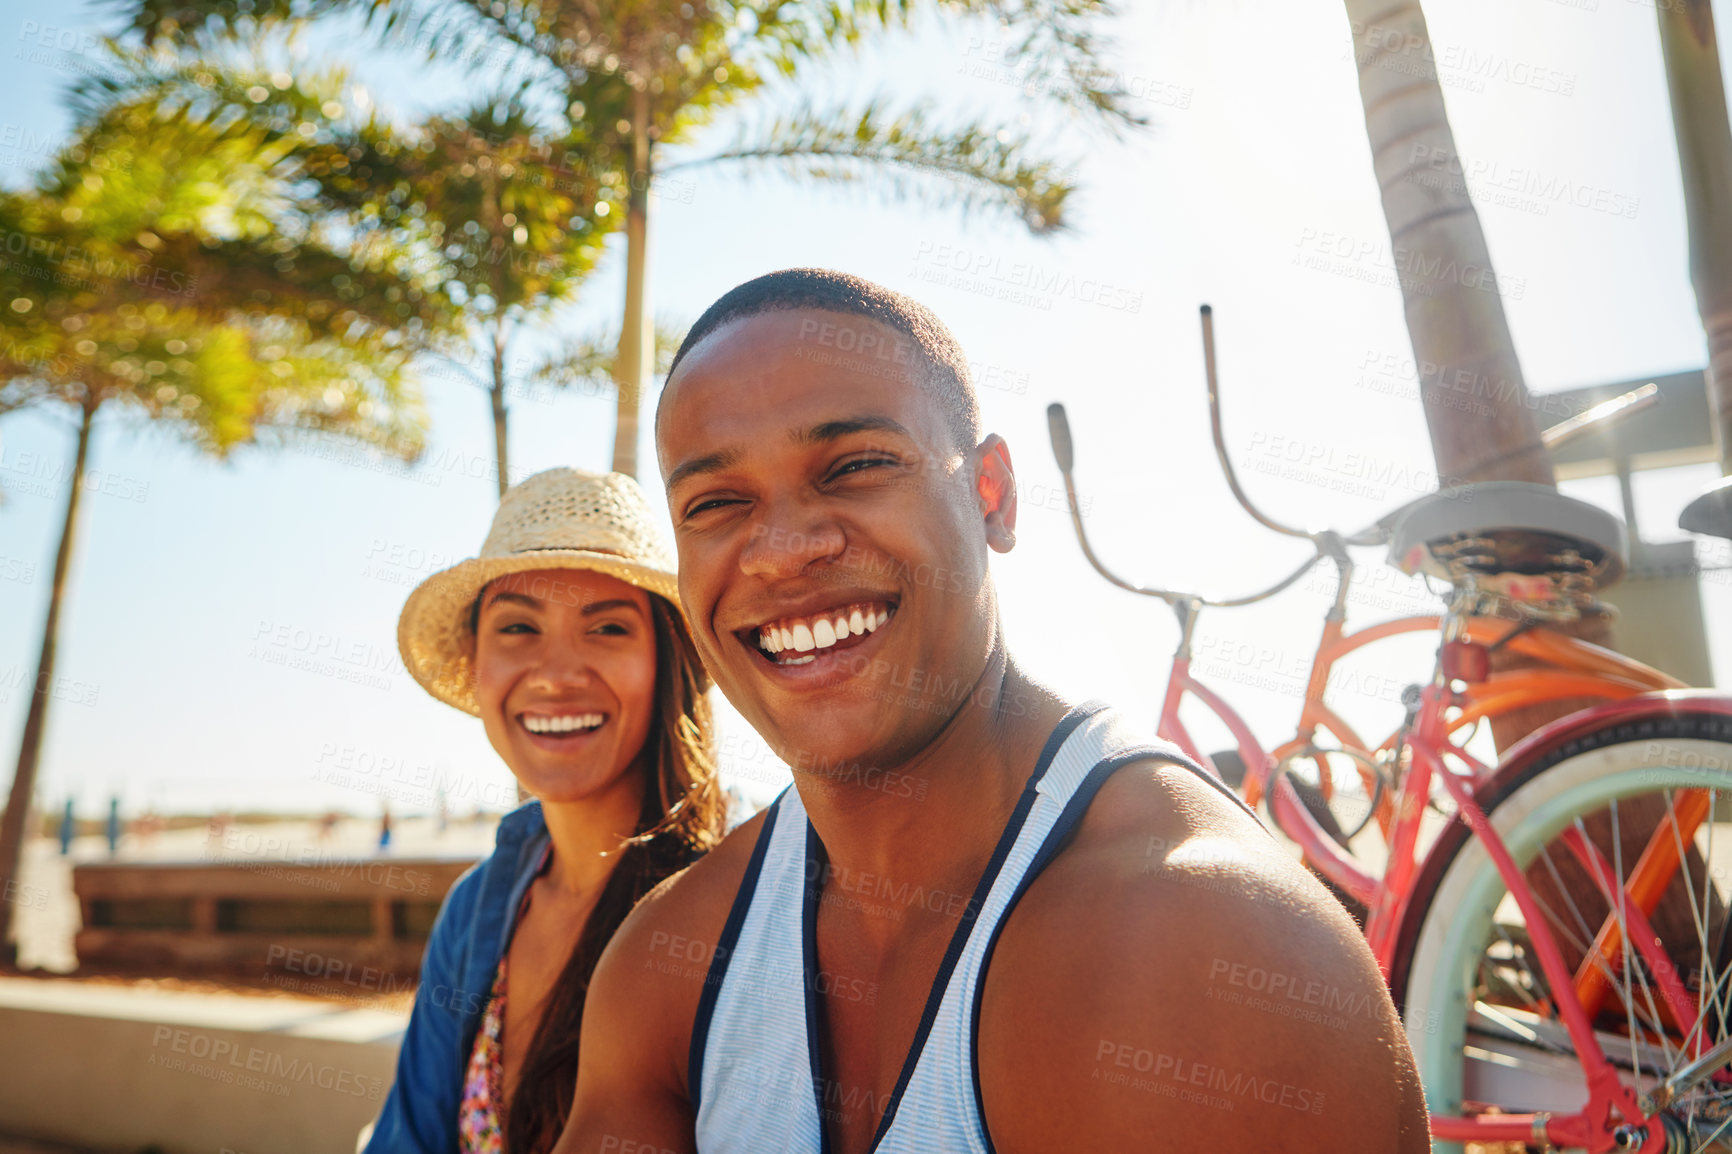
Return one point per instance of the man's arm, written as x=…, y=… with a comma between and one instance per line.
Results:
x=1175, y=978
x=632, y=1096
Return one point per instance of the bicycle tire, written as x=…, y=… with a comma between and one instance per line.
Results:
x=1441, y=932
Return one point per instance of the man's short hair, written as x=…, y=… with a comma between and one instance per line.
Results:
x=819, y=288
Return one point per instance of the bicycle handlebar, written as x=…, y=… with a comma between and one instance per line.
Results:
x=1058, y=426
x=1059, y=429
x=1215, y=431
x=1325, y=542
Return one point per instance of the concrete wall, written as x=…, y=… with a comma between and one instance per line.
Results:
x=186, y=1087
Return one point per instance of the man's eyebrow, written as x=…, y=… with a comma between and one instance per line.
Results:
x=713, y=463
x=833, y=430
x=815, y=435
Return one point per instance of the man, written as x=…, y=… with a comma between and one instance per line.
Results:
x=983, y=919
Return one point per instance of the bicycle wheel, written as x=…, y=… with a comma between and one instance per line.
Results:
x=1480, y=1015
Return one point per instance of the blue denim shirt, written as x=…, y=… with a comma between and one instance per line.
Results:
x=469, y=936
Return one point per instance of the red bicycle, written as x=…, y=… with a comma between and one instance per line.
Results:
x=1553, y=926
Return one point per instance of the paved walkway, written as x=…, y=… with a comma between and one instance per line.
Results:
x=27, y=1146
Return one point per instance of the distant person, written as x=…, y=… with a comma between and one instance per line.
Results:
x=983, y=918
x=67, y=829
x=384, y=828
x=113, y=826
x=566, y=638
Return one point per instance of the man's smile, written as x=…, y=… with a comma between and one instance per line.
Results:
x=813, y=640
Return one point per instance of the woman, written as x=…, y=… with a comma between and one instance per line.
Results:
x=566, y=638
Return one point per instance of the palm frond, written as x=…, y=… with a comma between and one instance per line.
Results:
x=969, y=166
x=586, y=362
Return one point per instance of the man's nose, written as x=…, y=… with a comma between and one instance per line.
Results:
x=783, y=546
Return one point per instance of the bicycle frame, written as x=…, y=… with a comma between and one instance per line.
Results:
x=1574, y=669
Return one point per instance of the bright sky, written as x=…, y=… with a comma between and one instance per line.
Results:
x=202, y=592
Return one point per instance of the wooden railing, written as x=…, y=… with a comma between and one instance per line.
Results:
x=282, y=922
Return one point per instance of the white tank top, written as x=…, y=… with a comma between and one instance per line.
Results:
x=754, y=1065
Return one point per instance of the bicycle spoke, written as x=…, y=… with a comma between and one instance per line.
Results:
x=1652, y=1024
x=1617, y=912
x=1588, y=953
x=1698, y=915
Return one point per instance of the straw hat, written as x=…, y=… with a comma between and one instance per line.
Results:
x=560, y=519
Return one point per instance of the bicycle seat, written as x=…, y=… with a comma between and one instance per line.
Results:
x=1508, y=527
x=1711, y=513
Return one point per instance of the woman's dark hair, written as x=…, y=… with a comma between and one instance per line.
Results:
x=682, y=817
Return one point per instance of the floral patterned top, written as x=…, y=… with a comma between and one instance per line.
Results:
x=481, y=1112
x=480, y=1127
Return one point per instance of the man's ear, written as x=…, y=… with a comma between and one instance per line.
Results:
x=996, y=484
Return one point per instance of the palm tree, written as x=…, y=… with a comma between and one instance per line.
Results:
x=1692, y=55
x=173, y=278
x=515, y=220
x=1455, y=315
x=654, y=73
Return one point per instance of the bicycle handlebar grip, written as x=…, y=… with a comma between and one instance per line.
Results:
x=1060, y=430
x=1059, y=427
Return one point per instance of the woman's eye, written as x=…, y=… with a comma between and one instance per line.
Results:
x=613, y=629
x=517, y=627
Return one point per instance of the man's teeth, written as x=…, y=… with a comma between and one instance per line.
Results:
x=570, y=723
x=809, y=634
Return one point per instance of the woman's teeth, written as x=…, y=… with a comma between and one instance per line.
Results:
x=807, y=635
x=571, y=723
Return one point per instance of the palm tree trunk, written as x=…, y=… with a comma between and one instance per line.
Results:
x=636, y=337
x=12, y=826
x=496, y=393
x=1699, y=120
x=1476, y=402
x=1455, y=316
x=501, y=459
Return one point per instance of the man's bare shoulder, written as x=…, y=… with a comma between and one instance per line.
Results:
x=1175, y=968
